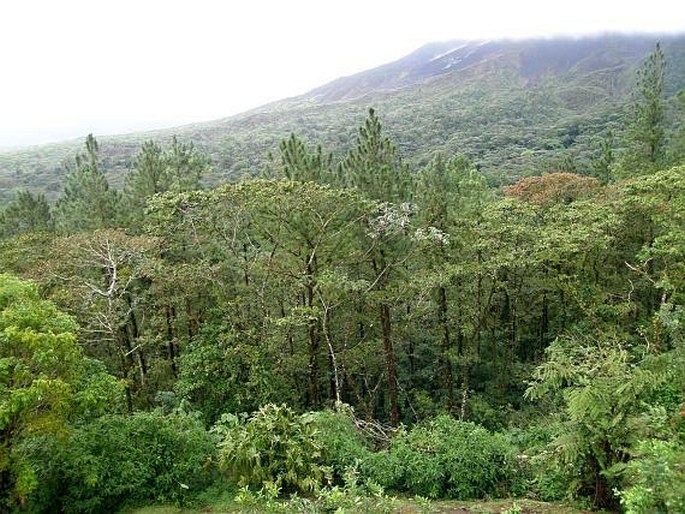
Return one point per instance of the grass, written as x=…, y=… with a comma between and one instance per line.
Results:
x=401, y=506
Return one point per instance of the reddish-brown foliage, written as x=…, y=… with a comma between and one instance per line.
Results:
x=554, y=188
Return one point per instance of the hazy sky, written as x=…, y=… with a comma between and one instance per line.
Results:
x=69, y=67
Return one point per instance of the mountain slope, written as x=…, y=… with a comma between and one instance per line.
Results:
x=514, y=107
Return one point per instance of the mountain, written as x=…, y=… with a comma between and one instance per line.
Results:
x=514, y=107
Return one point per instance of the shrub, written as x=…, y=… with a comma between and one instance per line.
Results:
x=657, y=478
x=540, y=474
x=147, y=457
x=342, y=442
x=279, y=449
x=445, y=458
x=274, y=446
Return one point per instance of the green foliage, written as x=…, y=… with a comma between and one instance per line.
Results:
x=541, y=475
x=404, y=295
x=647, y=131
x=87, y=202
x=225, y=370
x=445, y=458
x=276, y=448
x=655, y=478
x=301, y=164
x=45, y=381
x=116, y=460
x=155, y=170
x=353, y=496
x=26, y=213
x=607, y=388
x=23, y=255
x=344, y=445
x=373, y=167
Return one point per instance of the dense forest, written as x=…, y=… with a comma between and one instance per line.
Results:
x=347, y=327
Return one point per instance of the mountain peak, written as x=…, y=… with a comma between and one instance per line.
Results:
x=530, y=57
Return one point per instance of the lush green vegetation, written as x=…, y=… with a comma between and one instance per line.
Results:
x=343, y=332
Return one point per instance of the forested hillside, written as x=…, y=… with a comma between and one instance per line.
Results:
x=343, y=327
x=515, y=108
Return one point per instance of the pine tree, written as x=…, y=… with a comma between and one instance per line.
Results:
x=373, y=167
x=155, y=170
x=26, y=213
x=299, y=163
x=87, y=203
x=185, y=166
x=603, y=162
x=646, y=136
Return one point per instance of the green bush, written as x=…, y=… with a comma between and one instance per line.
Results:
x=656, y=479
x=540, y=475
x=273, y=447
x=117, y=460
x=280, y=449
x=343, y=444
x=445, y=458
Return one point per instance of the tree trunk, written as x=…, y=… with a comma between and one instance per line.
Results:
x=390, y=363
x=313, y=339
x=447, y=377
x=171, y=350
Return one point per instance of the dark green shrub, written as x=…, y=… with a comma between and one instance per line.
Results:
x=539, y=473
x=445, y=458
x=147, y=457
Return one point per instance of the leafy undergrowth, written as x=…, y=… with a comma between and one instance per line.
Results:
x=400, y=506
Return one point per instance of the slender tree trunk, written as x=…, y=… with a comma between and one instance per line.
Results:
x=544, y=326
x=332, y=359
x=464, y=393
x=171, y=350
x=125, y=368
x=246, y=274
x=314, y=346
x=313, y=337
x=411, y=354
x=132, y=335
x=193, y=321
x=447, y=377
x=390, y=363
x=388, y=347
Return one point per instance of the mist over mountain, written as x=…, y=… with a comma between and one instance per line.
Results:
x=514, y=107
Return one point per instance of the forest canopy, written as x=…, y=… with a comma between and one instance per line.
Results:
x=350, y=322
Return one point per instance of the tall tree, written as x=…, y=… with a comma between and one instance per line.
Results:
x=87, y=202
x=450, y=196
x=373, y=167
x=299, y=163
x=646, y=135
x=26, y=213
x=45, y=382
x=185, y=166
x=101, y=277
x=156, y=170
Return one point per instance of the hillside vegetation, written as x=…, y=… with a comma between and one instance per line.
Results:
x=515, y=108
x=368, y=330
